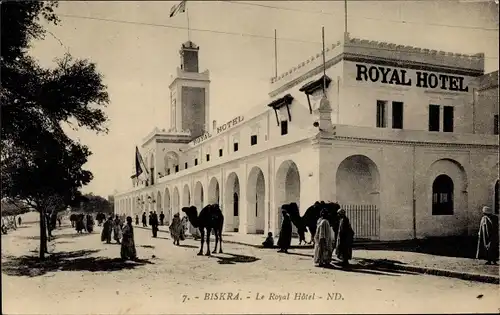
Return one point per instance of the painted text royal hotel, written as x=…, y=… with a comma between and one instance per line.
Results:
x=406, y=140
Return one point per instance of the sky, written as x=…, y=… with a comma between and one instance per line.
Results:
x=136, y=47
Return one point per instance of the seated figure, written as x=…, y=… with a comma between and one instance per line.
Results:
x=269, y=242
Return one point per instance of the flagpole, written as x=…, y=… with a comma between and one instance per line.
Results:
x=345, y=16
x=187, y=15
x=324, y=63
x=275, y=55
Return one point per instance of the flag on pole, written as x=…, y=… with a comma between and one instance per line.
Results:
x=178, y=8
x=140, y=166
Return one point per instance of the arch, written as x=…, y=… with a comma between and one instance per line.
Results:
x=358, y=181
x=171, y=160
x=232, y=203
x=158, y=199
x=442, y=195
x=198, y=196
x=457, y=178
x=176, y=201
x=287, y=189
x=151, y=203
x=186, y=196
x=166, y=205
x=256, y=196
x=213, y=191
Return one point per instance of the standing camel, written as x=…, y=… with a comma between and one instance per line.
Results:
x=210, y=217
x=310, y=218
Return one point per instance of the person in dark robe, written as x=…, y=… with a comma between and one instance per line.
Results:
x=285, y=238
x=136, y=219
x=144, y=223
x=269, y=241
x=127, y=250
x=345, y=237
x=59, y=221
x=154, y=224
x=150, y=218
x=90, y=223
x=107, y=230
x=162, y=218
x=19, y=220
x=79, y=223
x=487, y=244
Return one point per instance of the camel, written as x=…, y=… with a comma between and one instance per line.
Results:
x=310, y=218
x=210, y=217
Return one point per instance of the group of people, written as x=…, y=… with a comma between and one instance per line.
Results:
x=84, y=223
x=123, y=234
x=326, y=240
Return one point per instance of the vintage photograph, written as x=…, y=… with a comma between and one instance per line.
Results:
x=250, y=157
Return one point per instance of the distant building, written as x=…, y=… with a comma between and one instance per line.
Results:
x=406, y=140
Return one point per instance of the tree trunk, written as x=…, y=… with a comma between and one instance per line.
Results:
x=43, y=235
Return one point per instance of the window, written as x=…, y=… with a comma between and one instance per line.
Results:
x=195, y=162
x=235, y=146
x=152, y=175
x=397, y=115
x=433, y=117
x=495, y=124
x=442, y=195
x=284, y=127
x=208, y=157
x=176, y=168
x=253, y=140
x=381, y=114
x=448, y=118
x=168, y=171
x=185, y=165
x=220, y=152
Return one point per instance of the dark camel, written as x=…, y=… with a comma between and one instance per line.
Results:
x=310, y=218
x=210, y=217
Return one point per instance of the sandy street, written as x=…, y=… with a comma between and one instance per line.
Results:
x=87, y=278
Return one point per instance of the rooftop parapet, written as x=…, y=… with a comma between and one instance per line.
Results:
x=181, y=74
x=487, y=81
x=415, y=54
x=375, y=49
x=171, y=133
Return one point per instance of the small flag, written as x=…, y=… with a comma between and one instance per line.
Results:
x=140, y=166
x=178, y=8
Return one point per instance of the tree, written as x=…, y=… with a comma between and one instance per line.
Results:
x=95, y=204
x=40, y=164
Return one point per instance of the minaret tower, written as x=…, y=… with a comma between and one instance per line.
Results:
x=189, y=94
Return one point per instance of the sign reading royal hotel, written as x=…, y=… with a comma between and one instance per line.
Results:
x=230, y=124
x=422, y=79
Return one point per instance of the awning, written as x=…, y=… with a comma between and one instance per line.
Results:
x=312, y=86
x=279, y=103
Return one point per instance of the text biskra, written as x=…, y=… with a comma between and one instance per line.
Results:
x=423, y=79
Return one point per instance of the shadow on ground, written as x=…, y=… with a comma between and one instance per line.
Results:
x=31, y=266
x=187, y=246
x=234, y=259
x=147, y=246
x=457, y=246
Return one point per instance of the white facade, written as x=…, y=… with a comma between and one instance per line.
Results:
x=383, y=175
